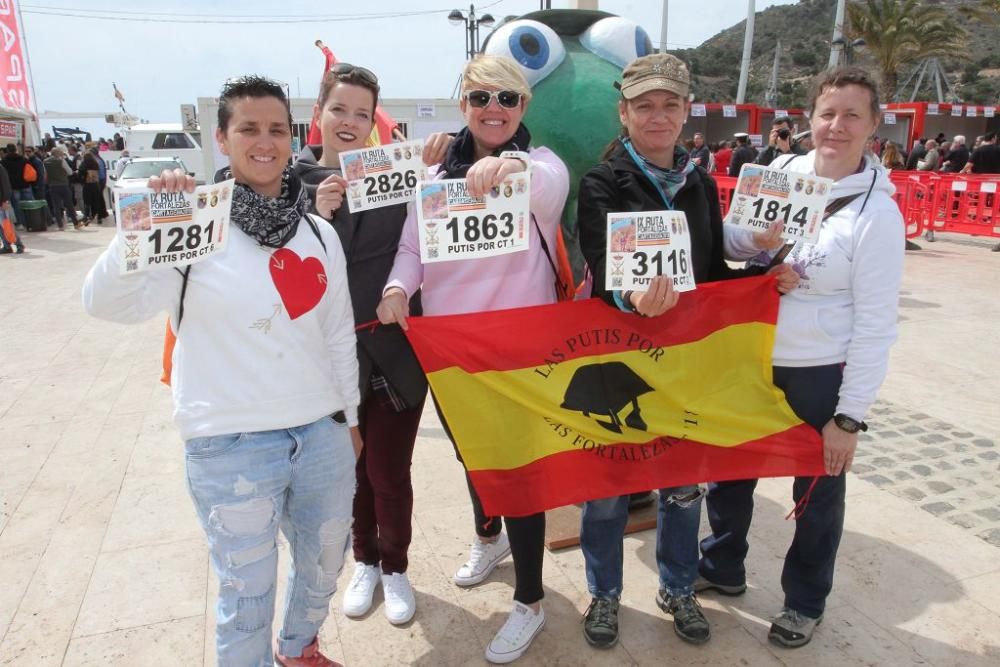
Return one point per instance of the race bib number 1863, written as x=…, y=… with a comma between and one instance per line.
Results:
x=644, y=245
x=455, y=225
x=383, y=175
x=172, y=228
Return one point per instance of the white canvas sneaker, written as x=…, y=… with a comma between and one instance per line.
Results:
x=516, y=634
x=400, y=603
x=359, y=593
x=484, y=557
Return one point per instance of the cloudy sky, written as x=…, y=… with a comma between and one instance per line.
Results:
x=161, y=61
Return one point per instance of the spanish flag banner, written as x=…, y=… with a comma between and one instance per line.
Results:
x=554, y=405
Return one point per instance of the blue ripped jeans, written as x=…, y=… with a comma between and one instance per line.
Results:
x=246, y=485
x=602, y=529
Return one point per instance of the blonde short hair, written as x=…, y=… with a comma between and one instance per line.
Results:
x=485, y=71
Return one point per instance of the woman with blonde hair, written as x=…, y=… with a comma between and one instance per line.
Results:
x=891, y=157
x=493, y=145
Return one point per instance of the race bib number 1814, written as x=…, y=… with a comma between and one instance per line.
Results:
x=764, y=196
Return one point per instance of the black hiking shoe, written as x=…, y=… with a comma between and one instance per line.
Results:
x=690, y=623
x=600, y=623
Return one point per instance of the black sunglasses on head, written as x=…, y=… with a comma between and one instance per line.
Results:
x=346, y=69
x=480, y=99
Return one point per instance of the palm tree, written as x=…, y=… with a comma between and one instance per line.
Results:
x=900, y=32
x=985, y=10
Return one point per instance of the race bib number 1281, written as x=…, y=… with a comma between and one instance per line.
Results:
x=172, y=228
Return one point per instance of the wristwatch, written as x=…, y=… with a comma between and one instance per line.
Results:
x=627, y=300
x=848, y=424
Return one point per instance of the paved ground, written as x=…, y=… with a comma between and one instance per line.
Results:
x=102, y=561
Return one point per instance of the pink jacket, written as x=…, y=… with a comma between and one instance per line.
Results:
x=495, y=283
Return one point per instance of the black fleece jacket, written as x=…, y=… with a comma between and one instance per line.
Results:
x=618, y=185
x=370, y=240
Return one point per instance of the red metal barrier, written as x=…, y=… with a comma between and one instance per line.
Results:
x=941, y=202
x=958, y=203
x=727, y=185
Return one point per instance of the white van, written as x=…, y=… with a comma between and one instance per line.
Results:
x=162, y=140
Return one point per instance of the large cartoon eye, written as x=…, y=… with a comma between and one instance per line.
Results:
x=617, y=40
x=535, y=46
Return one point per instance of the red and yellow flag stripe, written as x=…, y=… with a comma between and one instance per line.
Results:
x=557, y=404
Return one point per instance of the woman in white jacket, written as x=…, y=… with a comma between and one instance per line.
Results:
x=831, y=350
x=265, y=384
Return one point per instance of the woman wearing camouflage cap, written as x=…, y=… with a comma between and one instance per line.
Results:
x=646, y=170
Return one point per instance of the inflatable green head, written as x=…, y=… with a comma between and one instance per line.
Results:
x=571, y=58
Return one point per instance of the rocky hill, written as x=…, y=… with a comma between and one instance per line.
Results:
x=805, y=30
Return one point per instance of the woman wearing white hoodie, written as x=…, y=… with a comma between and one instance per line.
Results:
x=831, y=351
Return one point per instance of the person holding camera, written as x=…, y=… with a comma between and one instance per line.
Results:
x=779, y=142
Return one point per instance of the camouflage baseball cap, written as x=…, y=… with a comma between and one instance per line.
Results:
x=657, y=71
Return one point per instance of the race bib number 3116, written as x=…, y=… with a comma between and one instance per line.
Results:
x=644, y=245
x=764, y=195
x=455, y=225
x=383, y=175
x=172, y=228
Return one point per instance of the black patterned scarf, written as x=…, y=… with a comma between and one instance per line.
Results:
x=462, y=152
x=271, y=221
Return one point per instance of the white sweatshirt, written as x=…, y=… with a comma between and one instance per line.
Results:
x=267, y=340
x=844, y=309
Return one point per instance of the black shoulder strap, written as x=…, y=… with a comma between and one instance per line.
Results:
x=315, y=230
x=184, y=287
x=545, y=246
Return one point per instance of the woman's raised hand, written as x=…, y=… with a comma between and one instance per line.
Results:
x=489, y=172
x=171, y=180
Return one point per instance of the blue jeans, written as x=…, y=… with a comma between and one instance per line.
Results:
x=17, y=196
x=602, y=529
x=246, y=485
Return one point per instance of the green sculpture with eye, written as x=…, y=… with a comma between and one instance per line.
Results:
x=571, y=59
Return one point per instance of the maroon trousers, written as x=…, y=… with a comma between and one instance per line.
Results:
x=383, y=503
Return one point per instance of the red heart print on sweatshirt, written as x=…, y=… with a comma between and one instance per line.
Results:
x=300, y=282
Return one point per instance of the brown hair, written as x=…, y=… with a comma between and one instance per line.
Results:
x=839, y=77
x=351, y=77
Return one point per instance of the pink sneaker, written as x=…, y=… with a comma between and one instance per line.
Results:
x=311, y=657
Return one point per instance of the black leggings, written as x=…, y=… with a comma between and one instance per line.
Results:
x=526, y=534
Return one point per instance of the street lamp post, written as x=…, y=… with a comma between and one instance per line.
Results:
x=848, y=47
x=457, y=17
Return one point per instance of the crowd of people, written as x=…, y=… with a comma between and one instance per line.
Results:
x=937, y=154
x=69, y=176
x=308, y=425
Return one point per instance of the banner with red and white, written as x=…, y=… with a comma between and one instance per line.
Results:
x=15, y=85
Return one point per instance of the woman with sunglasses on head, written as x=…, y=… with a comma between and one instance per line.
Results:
x=265, y=384
x=392, y=384
x=494, y=98
x=646, y=170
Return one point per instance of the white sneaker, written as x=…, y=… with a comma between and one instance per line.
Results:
x=359, y=593
x=516, y=634
x=400, y=604
x=484, y=557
